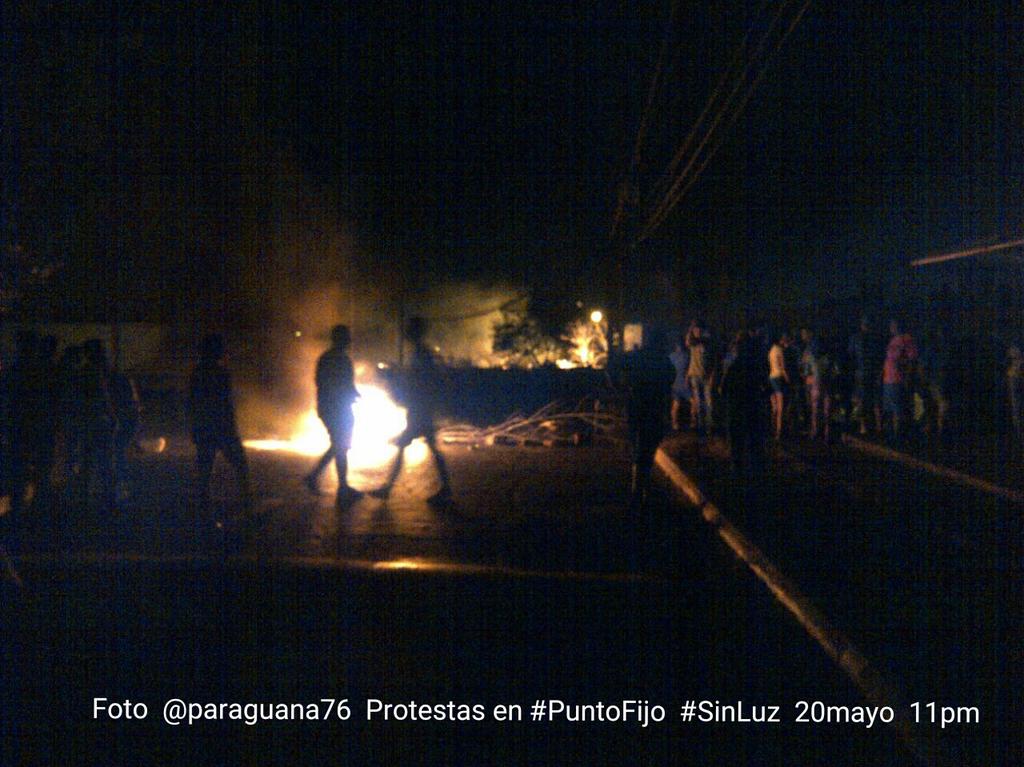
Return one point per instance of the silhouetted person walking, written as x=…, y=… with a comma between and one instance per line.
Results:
x=335, y=394
x=212, y=406
x=421, y=390
x=647, y=376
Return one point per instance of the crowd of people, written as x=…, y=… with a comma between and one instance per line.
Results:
x=69, y=421
x=767, y=386
x=69, y=418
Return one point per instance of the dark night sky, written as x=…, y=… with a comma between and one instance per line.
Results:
x=168, y=147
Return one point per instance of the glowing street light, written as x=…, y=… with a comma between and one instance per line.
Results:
x=596, y=316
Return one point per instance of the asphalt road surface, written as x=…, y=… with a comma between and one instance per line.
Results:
x=538, y=584
x=922, y=574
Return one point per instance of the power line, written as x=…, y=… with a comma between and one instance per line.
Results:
x=737, y=57
x=645, y=115
x=671, y=199
x=685, y=180
x=966, y=253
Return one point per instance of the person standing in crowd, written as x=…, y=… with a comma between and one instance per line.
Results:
x=97, y=423
x=48, y=394
x=778, y=379
x=214, y=429
x=680, y=359
x=697, y=374
x=744, y=386
x=422, y=395
x=335, y=394
x=127, y=413
x=828, y=386
x=866, y=351
x=25, y=402
x=647, y=378
x=900, y=358
x=70, y=406
x=1015, y=390
x=5, y=427
x=795, y=410
x=730, y=355
x=721, y=367
x=811, y=376
x=931, y=370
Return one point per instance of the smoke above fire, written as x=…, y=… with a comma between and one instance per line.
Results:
x=312, y=271
x=462, y=318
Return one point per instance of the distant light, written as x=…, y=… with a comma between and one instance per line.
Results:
x=298, y=334
x=398, y=564
x=382, y=366
x=437, y=349
x=596, y=316
x=564, y=364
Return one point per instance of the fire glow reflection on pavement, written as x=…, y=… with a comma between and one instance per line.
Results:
x=379, y=420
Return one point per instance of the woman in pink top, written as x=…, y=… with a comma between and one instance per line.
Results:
x=900, y=356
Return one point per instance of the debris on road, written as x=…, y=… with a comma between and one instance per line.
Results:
x=551, y=426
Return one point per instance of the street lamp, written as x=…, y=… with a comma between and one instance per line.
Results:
x=596, y=316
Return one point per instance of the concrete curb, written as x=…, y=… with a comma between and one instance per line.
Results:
x=962, y=478
x=873, y=683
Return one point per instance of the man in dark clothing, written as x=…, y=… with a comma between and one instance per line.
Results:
x=421, y=395
x=26, y=395
x=745, y=389
x=71, y=410
x=211, y=404
x=646, y=376
x=49, y=394
x=43, y=404
x=866, y=350
x=335, y=393
x=124, y=397
x=97, y=422
x=5, y=426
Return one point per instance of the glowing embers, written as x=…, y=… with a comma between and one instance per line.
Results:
x=379, y=420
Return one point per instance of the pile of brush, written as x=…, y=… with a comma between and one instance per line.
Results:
x=554, y=425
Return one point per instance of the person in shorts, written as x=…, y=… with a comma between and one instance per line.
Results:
x=697, y=376
x=778, y=380
x=680, y=359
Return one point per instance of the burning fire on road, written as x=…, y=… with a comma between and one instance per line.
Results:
x=378, y=421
